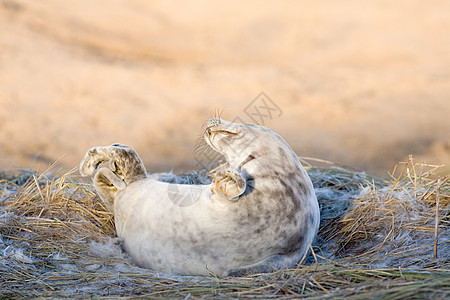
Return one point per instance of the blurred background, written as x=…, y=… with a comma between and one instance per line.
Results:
x=359, y=83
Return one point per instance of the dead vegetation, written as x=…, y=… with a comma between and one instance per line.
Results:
x=378, y=239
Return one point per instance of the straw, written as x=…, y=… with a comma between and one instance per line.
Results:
x=378, y=239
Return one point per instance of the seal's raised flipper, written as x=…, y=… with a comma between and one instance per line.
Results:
x=123, y=161
x=107, y=184
x=125, y=166
x=228, y=184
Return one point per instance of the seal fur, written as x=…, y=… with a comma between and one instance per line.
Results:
x=259, y=215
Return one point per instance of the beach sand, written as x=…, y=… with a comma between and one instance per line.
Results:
x=362, y=84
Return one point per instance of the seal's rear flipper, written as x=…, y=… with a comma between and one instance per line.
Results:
x=124, y=167
x=123, y=161
x=107, y=185
x=92, y=159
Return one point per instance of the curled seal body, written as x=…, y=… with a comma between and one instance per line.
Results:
x=258, y=215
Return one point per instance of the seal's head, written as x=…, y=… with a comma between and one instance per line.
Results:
x=241, y=143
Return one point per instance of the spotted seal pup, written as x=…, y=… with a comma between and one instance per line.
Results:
x=258, y=215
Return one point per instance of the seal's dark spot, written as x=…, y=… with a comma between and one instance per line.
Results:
x=311, y=219
x=289, y=192
x=248, y=159
x=294, y=242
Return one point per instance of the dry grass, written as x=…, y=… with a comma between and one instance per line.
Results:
x=377, y=240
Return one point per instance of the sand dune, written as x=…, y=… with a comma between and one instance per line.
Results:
x=362, y=84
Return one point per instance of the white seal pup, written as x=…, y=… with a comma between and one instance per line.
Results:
x=259, y=215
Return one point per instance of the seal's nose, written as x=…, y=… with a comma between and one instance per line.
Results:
x=213, y=122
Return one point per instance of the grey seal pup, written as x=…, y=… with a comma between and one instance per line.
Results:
x=258, y=215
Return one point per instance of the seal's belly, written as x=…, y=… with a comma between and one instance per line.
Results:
x=161, y=234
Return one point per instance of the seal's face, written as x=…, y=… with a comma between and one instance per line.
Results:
x=237, y=142
x=220, y=134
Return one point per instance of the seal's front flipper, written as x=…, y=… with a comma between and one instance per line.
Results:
x=228, y=184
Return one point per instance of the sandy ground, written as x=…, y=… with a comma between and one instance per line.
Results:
x=361, y=83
